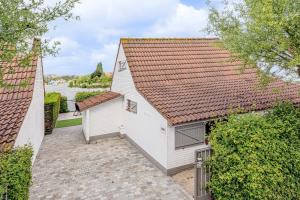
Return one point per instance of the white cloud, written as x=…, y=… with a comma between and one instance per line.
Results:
x=106, y=55
x=121, y=12
x=67, y=45
x=96, y=36
x=186, y=21
x=70, y=64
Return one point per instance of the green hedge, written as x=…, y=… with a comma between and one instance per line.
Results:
x=257, y=157
x=80, y=96
x=52, y=108
x=63, y=105
x=15, y=173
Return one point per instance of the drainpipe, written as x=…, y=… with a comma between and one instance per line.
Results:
x=88, y=124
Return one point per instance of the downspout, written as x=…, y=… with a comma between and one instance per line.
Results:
x=87, y=134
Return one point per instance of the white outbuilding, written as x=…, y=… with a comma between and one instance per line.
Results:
x=166, y=92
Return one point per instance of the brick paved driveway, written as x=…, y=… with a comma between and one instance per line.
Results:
x=67, y=168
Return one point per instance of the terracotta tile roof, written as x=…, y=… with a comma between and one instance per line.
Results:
x=96, y=100
x=193, y=79
x=15, y=100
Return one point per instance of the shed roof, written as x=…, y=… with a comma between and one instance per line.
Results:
x=96, y=100
x=192, y=79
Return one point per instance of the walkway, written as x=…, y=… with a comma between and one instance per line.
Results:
x=67, y=168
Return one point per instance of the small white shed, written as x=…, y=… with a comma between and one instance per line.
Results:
x=102, y=119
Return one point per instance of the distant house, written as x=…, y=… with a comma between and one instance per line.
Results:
x=109, y=74
x=22, y=107
x=57, y=82
x=165, y=91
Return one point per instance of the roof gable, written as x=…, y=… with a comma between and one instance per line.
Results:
x=15, y=100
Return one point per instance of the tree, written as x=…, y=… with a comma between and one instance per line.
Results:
x=260, y=33
x=23, y=20
x=99, y=71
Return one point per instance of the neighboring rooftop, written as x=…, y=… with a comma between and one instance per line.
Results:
x=96, y=100
x=15, y=100
x=194, y=79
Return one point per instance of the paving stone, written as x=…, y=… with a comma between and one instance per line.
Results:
x=68, y=168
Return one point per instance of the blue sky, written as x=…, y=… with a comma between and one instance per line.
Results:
x=95, y=37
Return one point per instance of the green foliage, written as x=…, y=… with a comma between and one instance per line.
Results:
x=260, y=32
x=21, y=20
x=106, y=80
x=99, y=71
x=88, y=82
x=15, y=173
x=53, y=98
x=80, y=96
x=71, y=84
x=63, y=104
x=68, y=123
x=52, y=108
x=257, y=157
x=51, y=77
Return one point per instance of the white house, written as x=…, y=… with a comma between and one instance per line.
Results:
x=164, y=91
x=22, y=107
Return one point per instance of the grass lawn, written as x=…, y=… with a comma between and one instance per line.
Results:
x=68, y=122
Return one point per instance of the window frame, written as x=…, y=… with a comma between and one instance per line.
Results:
x=131, y=106
x=187, y=127
x=122, y=65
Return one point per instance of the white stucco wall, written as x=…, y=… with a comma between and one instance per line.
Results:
x=147, y=128
x=32, y=129
x=179, y=157
x=105, y=118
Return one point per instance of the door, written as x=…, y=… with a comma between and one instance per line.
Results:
x=202, y=174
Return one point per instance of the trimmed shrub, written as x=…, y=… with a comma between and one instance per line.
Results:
x=15, y=173
x=257, y=157
x=63, y=105
x=71, y=84
x=80, y=96
x=52, y=107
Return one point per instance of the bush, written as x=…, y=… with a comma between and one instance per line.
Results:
x=15, y=173
x=63, y=104
x=71, y=84
x=52, y=108
x=80, y=96
x=257, y=157
x=90, y=81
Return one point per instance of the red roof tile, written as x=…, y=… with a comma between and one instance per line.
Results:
x=96, y=100
x=193, y=79
x=15, y=100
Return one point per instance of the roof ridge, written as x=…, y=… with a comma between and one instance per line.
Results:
x=123, y=39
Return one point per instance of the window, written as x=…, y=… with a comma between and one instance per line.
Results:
x=188, y=135
x=131, y=106
x=122, y=65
